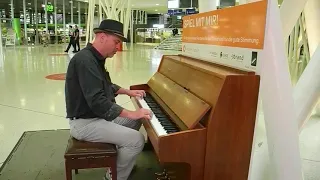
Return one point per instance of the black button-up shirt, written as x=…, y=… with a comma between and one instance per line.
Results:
x=89, y=91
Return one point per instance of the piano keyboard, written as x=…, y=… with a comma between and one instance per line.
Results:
x=160, y=121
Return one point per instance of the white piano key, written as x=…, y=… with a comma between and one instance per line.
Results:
x=154, y=120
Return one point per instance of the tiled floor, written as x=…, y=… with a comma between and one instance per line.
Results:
x=28, y=101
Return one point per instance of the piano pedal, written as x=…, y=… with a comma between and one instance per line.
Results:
x=163, y=173
x=160, y=174
x=163, y=178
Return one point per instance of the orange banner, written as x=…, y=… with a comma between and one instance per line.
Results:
x=240, y=26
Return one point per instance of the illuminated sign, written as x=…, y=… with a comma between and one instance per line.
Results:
x=49, y=8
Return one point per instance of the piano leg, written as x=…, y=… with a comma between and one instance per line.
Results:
x=175, y=171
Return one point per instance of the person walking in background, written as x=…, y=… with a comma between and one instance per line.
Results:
x=45, y=38
x=77, y=38
x=71, y=40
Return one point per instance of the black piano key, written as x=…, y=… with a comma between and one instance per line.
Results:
x=160, y=116
x=153, y=105
x=171, y=132
x=165, y=122
x=170, y=126
x=170, y=129
x=167, y=125
x=157, y=111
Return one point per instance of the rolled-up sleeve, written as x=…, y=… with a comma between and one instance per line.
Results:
x=115, y=89
x=91, y=84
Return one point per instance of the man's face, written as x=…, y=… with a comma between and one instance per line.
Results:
x=111, y=44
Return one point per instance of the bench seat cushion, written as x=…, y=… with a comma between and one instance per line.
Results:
x=78, y=148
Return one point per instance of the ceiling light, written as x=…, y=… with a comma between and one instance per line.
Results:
x=156, y=10
x=157, y=4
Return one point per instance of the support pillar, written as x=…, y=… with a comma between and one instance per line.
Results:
x=251, y=1
x=131, y=28
x=290, y=11
x=36, y=41
x=79, y=14
x=312, y=18
x=71, y=10
x=64, y=20
x=207, y=5
x=278, y=105
x=145, y=18
x=12, y=10
x=55, y=21
x=1, y=48
x=242, y=2
x=111, y=10
x=46, y=14
x=25, y=22
x=307, y=92
x=100, y=11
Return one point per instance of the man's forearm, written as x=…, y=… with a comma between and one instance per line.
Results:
x=122, y=91
x=127, y=114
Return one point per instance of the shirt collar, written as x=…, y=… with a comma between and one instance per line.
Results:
x=96, y=53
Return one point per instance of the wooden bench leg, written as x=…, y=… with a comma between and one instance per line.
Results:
x=114, y=168
x=68, y=172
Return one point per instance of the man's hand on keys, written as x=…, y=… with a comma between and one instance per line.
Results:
x=143, y=114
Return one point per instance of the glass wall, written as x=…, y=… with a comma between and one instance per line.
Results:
x=42, y=17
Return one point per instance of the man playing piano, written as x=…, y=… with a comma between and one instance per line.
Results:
x=90, y=100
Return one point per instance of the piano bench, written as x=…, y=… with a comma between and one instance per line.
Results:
x=85, y=155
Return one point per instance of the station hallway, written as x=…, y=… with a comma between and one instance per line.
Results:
x=30, y=102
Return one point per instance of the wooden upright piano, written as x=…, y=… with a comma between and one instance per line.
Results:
x=204, y=118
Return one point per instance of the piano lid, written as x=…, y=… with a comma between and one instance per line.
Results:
x=188, y=107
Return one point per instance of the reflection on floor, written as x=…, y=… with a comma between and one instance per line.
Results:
x=29, y=101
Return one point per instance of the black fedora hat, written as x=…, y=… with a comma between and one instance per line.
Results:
x=112, y=27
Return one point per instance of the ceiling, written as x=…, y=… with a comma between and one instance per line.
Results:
x=151, y=6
